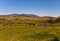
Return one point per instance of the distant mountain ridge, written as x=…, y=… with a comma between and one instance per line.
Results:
x=26, y=16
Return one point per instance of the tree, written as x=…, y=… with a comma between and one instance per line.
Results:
x=58, y=19
x=55, y=39
x=51, y=20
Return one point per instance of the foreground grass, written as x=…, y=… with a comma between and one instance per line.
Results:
x=23, y=32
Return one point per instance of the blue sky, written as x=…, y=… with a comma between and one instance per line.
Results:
x=38, y=7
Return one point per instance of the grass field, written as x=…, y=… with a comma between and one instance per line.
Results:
x=28, y=29
x=23, y=32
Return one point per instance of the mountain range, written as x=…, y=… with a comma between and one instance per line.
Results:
x=26, y=16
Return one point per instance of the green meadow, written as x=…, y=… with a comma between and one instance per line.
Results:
x=30, y=29
x=24, y=32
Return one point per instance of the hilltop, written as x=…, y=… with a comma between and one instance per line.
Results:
x=26, y=16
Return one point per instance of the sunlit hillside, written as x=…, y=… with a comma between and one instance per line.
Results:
x=28, y=28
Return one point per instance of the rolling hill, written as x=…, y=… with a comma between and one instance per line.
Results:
x=26, y=16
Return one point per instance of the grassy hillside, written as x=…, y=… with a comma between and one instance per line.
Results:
x=27, y=29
